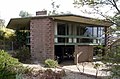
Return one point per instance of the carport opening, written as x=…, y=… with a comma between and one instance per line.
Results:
x=64, y=53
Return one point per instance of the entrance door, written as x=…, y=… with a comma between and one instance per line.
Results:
x=63, y=53
x=68, y=52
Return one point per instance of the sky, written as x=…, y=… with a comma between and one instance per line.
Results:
x=11, y=8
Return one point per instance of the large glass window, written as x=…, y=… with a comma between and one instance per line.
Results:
x=77, y=33
x=94, y=31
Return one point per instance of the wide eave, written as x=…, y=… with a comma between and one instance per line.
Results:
x=84, y=20
x=18, y=22
x=23, y=22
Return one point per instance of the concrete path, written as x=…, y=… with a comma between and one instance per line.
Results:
x=76, y=71
x=88, y=69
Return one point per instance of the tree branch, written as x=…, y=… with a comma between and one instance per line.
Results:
x=103, y=15
x=115, y=5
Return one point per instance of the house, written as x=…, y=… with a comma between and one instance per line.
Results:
x=62, y=36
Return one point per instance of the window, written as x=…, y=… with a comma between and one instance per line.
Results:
x=62, y=30
x=81, y=30
x=77, y=33
x=94, y=31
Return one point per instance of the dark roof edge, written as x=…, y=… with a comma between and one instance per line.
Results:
x=50, y=16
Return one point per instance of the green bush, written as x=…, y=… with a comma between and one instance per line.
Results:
x=8, y=66
x=51, y=63
x=23, y=54
x=11, y=68
x=115, y=71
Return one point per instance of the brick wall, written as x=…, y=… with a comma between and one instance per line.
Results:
x=83, y=53
x=42, y=39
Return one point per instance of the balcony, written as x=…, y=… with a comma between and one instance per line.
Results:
x=77, y=40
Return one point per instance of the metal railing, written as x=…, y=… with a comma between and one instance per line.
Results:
x=80, y=40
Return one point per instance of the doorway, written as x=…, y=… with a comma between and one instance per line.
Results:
x=64, y=53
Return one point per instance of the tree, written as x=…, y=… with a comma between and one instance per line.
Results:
x=104, y=8
x=5, y=32
x=24, y=14
x=97, y=7
x=2, y=22
x=112, y=59
x=20, y=39
x=1, y=28
x=55, y=9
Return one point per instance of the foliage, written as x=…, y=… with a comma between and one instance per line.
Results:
x=113, y=56
x=11, y=68
x=115, y=71
x=99, y=50
x=96, y=66
x=96, y=7
x=2, y=33
x=107, y=9
x=6, y=34
x=54, y=8
x=9, y=33
x=23, y=54
x=112, y=60
x=24, y=14
x=116, y=20
x=8, y=66
x=19, y=76
x=2, y=22
x=98, y=3
x=51, y=63
x=20, y=39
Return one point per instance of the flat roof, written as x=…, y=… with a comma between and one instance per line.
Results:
x=22, y=22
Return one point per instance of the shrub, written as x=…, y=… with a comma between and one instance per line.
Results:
x=23, y=54
x=11, y=68
x=8, y=66
x=51, y=63
x=115, y=71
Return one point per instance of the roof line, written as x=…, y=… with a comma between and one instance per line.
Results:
x=59, y=16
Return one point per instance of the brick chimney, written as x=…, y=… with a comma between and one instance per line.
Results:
x=41, y=13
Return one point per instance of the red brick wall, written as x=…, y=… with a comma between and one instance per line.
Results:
x=84, y=53
x=42, y=39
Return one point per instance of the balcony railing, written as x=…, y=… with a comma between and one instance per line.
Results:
x=77, y=40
